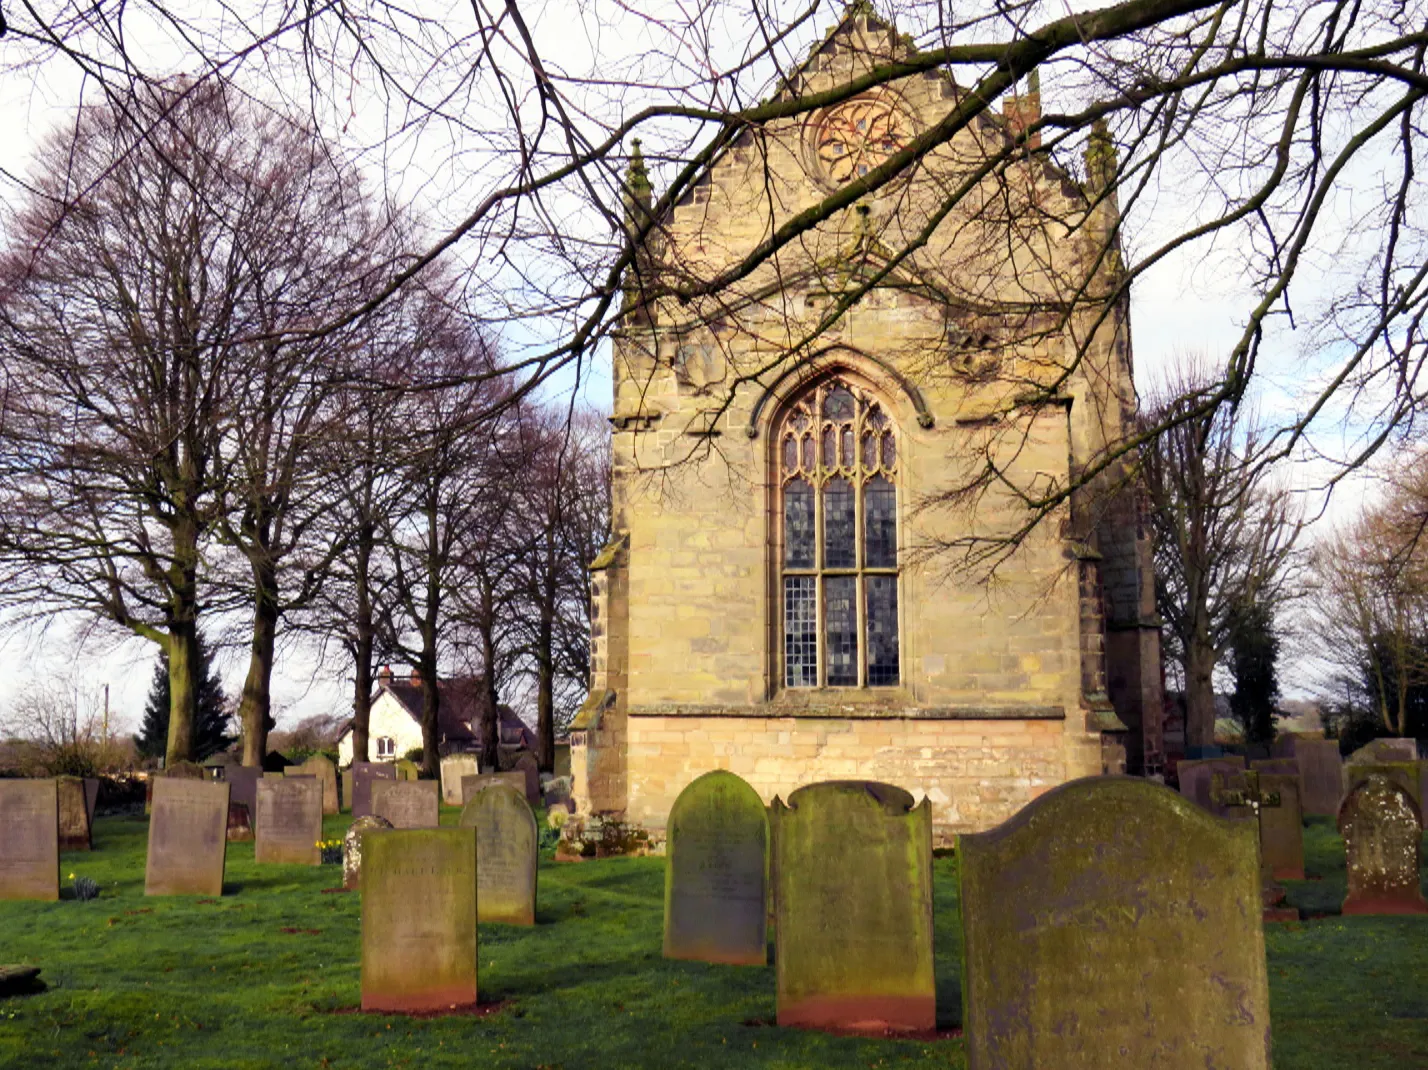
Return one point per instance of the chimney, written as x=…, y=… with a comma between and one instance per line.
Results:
x=1022, y=109
x=384, y=676
x=416, y=678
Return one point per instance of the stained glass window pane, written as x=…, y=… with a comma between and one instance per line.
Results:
x=838, y=405
x=847, y=444
x=790, y=455
x=839, y=525
x=808, y=453
x=800, y=631
x=829, y=460
x=798, y=536
x=882, y=631
x=870, y=452
x=879, y=524
x=889, y=451
x=840, y=615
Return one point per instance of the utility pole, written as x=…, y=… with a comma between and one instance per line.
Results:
x=106, y=713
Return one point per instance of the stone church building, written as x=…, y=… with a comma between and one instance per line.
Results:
x=823, y=466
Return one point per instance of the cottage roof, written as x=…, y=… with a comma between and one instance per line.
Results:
x=463, y=700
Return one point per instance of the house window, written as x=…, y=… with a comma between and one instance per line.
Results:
x=837, y=540
x=386, y=747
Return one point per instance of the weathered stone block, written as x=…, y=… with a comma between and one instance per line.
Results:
x=1382, y=828
x=364, y=774
x=188, y=837
x=1281, y=828
x=453, y=768
x=29, y=839
x=1321, y=780
x=470, y=785
x=506, y=854
x=289, y=821
x=325, y=773
x=74, y=824
x=407, y=804
x=352, y=848
x=1196, y=776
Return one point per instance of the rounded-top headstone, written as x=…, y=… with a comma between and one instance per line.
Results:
x=352, y=848
x=1382, y=829
x=506, y=854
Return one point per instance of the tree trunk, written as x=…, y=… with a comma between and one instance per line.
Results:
x=362, y=688
x=183, y=691
x=430, y=711
x=545, y=689
x=257, y=701
x=490, y=712
x=1199, y=694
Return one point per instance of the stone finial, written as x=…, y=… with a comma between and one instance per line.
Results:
x=1100, y=157
x=638, y=193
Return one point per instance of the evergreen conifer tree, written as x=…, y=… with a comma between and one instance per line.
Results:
x=211, y=724
x=1254, y=650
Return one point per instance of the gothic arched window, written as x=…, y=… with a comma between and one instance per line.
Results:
x=837, y=474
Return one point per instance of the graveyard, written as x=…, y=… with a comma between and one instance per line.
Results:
x=268, y=974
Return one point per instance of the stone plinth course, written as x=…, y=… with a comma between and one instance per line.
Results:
x=1321, y=776
x=419, y=920
x=407, y=804
x=506, y=854
x=852, y=875
x=470, y=785
x=352, y=848
x=1382, y=828
x=364, y=775
x=453, y=768
x=1195, y=780
x=1113, y=924
x=289, y=821
x=1281, y=828
x=29, y=839
x=716, y=873
x=188, y=837
x=325, y=773
x=75, y=830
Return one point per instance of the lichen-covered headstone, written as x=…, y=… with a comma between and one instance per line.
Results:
x=470, y=785
x=29, y=839
x=716, y=873
x=325, y=773
x=1382, y=829
x=852, y=876
x=1196, y=776
x=1113, y=925
x=289, y=821
x=1321, y=777
x=419, y=920
x=506, y=845
x=406, y=770
x=74, y=827
x=453, y=768
x=1405, y=774
x=352, y=848
x=364, y=775
x=188, y=837
x=407, y=804
x=1281, y=828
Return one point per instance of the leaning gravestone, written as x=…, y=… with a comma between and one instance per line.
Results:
x=352, y=848
x=29, y=839
x=289, y=821
x=187, y=838
x=364, y=775
x=1382, y=829
x=716, y=873
x=506, y=843
x=325, y=773
x=470, y=785
x=1195, y=777
x=1281, y=828
x=453, y=768
x=1321, y=776
x=407, y=804
x=74, y=827
x=419, y=920
x=1113, y=924
x=852, y=876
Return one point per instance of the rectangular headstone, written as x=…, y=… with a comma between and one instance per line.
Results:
x=91, y=800
x=506, y=859
x=325, y=773
x=407, y=804
x=470, y=785
x=364, y=775
x=74, y=828
x=188, y=837
x=242, y=783
x=453, y=768
x=29, y=839
x=289, y=821
x=347, y=791
x=1195, y=777
x=1281, y=828
x=1113, y=924
x=852, y=879
x=1321, y=776
x=1276, y=766
x=527, y=765
x=716, y=873
x=419, y=919
x=1382, y=827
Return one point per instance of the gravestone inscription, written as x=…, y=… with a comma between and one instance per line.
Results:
x=364, y=775
x=470, y=785
x=407, y=804
x=289, y=821
x=1196, y=776
x=187, y=838
x=1321, y=776
x=453, y=768
x=74, y=826
x=1382, y=828
x=325, y=773
x=852, y=875
x=506, y=844
x=29, y=839
x=716, y=873
x=419, y=920
x=1113, y=924
x=352, y=848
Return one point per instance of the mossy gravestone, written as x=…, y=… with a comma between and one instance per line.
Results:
x=1113, y=924
x=506, y=845
x=1404, y=774
x=352, y=848
x=1382, y=829
x=74, y=826
x=29, y=839
x=453, y=768
x=188, y=837
x=470, y=785
x=325, y=773
x=1321, y=776
x=407, y=804
x=1195, y=777
x=1281, y=828
x=419, y=920
x=716, y=873
x=364, y=775
x=289, y=822
x=852, y=875
x=406, y=770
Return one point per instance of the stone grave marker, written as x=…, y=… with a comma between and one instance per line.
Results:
x=179, y=771
x=852, y=875
x=1405, y=774
x=528, y=767
x=1113, y=924
x=470, y=785
x=74, y=827
x=352, y=848
x=347, y=790
x=364, y=775
x=506, y=845
x=1247, y=799
x=91, y=800
x=716, y=873
x=1321, y=776
x=453, y=768
x=407, y=804
x=1388, y=749
x=1284, y=746
x=325, y=773
x=1276, y=766
x=289, y=821
x=240, y=821
x=419, y=919
x=242, y=783
x=1195, y=777
x=406, y=770
x=29, y=839
x=1382, y=828
x=1281, y=828
x=188, y=837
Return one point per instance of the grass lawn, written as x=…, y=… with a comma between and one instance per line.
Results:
x=259, y=978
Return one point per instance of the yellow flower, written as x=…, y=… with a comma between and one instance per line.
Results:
x=71, y=876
